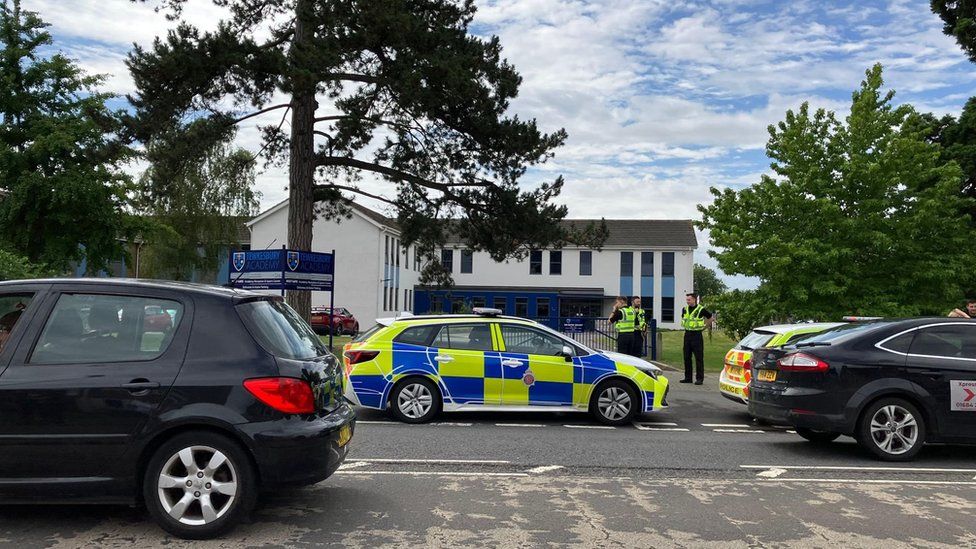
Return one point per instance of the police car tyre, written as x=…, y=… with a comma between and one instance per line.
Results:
x=892, y=429
x=614, y=402
x=199, y=485
x=415, y=400
x=817, y=437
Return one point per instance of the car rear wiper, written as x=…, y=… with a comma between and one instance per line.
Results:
x=812, y=344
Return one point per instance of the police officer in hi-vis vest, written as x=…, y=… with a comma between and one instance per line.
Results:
x=624, y=319
x=640, y=327
x=694, y=318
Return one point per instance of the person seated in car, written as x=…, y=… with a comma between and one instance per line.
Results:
x=970, y=311
x=7, y=322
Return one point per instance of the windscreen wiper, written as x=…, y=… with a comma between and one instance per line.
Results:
x=812, y=344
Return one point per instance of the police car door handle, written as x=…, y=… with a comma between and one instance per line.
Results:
x=443, y=358
x=511, y=362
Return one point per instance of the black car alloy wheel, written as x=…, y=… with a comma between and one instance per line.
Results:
x=892, y=429
x=199, y=485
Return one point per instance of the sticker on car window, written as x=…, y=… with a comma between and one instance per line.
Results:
x=962, y=396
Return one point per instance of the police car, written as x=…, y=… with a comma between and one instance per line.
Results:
x=421, y=365
x=734, y=380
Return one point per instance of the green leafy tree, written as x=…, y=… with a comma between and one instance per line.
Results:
x=860, y=216
x=707, y=282
x=409, y=97
x=18, y=267
x=198, y=208
x=61, y=159
x=739, y=311
x=959, y=18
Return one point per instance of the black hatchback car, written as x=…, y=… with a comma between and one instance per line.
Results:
x=892, y=384
x=188, y=398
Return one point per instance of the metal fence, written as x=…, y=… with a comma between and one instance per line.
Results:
x=598, y=333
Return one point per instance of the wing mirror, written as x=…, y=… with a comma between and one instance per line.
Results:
x=567, y=352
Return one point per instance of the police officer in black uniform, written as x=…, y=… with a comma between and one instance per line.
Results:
x=694, y=318
x=624, y=319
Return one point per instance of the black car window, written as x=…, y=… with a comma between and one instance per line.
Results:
x=88, y=328
x=464, y=337
x=12, y=306
x=416, y=335
x=947, y=341
x=280, y=330
x=899, y=344
x=522, y=339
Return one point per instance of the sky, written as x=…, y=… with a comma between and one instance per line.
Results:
x=662, y=99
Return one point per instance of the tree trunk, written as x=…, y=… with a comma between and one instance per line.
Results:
x=301, y=170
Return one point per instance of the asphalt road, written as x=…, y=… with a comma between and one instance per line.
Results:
x=697, y=475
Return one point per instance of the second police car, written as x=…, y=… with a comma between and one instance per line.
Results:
x=421, y=365
x=733, y=382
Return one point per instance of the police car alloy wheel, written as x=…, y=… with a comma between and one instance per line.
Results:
x=614, y=403
x=415, y=400
x=199, y=485
x=892, y=429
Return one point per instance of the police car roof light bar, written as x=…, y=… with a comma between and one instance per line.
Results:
x=861, y=318
x=487, y=311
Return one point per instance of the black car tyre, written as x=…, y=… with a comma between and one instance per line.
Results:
x=199, y=485
x=892, y=429
x=337, y=329
x=415, y=400
x=355, y=330
x=817, y=437
x=614, y=402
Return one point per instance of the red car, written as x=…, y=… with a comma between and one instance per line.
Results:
x=341, y=322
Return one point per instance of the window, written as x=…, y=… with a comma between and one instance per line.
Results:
x=946, y=341
x=406, y=299
x=478, y=301
x=386, y=298
x=647, y=264
x=464, y=337
x=87, y=328
x=542, y=307
x=11, y=307
x=457, y=305
x=500, y=303
x=556, y=262
x=535, y=262
x=398, y=253
x=447, y=260
x=667, y=264
x=280, y=331
x=626, y=264
x=667, y=309
x=521, y=339
x=416, y=258
x=522, y=306
x=586, y=263
x=467, y=259
x=396, y=298
x=899, y=344
x=754, y=340
x=436, y=304
x=417, y=335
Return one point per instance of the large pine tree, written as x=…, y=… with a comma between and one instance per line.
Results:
x=396, y=89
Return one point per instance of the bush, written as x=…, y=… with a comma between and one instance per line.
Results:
x=16, y=267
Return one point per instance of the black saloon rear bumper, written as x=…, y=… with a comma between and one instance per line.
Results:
x=298, y=450
x=799, y=407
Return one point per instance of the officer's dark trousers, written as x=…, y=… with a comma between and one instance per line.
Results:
x=637, y=349
x=625, y=342
x=695, y=345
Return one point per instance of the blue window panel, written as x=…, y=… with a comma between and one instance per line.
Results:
x=464, y=389
x=626, y=285
x=667, y=286
x=647, y=286
x=551, y=392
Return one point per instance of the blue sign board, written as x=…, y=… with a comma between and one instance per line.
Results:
x=282, y=270
x=572, y=325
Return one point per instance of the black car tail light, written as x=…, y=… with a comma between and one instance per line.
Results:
x=355, y=356
x=802, y=362
x=285, y=394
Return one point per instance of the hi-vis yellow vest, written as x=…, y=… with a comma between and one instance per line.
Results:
x=628, y=318
x=692, y=320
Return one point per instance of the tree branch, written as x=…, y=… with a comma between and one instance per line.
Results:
x=352, y=77
x=260, y=112
x=322, y=160
x=357, y=191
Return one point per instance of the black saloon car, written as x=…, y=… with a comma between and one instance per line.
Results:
x=100, y=402
x=891, y=384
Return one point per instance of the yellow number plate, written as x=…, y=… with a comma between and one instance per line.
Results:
x=345, y=433
x=767, y=375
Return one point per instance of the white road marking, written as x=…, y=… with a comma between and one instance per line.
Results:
x=872, y=481
x=655, y=423
x=451, y=424
x=544, y=469
x=737, y=431
x=473, y=461
x=726, y=425
x=590, y=426
x=433, y=473
x=851, y=468
x=518, y=425
x=367, y=422
x=791, y=431
x=771, y=473
x=646, y=428
x=352, y=465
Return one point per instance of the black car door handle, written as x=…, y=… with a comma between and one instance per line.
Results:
x=140, y=385
x=934, y=374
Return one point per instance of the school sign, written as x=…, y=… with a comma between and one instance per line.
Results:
x=282, y=270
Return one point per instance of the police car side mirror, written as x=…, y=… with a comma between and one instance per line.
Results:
x=567, y=352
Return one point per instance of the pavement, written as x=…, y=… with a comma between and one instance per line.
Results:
x=699, y=474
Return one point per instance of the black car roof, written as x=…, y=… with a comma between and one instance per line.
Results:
x=192, y=287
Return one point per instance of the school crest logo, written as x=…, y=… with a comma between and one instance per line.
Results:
x=293, y=260
x=239, y=259
x=528, y=378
